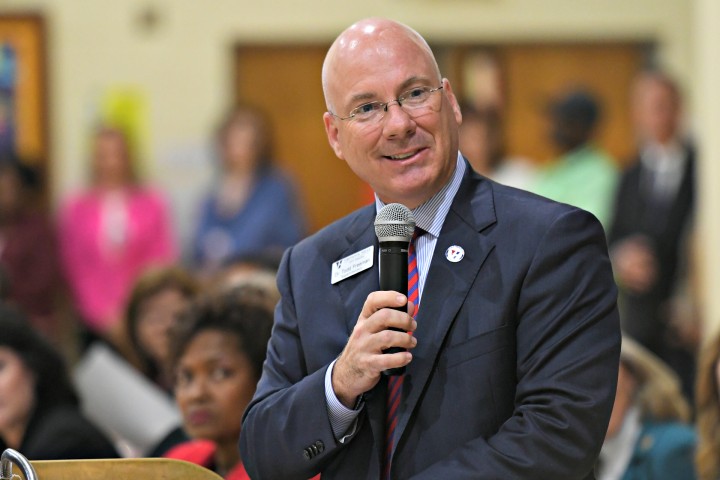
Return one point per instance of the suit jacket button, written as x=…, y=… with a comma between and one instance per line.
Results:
x=320, y=446
x=307, y=454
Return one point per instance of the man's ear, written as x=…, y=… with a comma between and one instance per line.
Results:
x=453, y=101
x=333, y=133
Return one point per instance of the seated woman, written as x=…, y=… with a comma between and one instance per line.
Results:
x=39, y=410
x=707, y=400
x=218, y=349
x=158, y=296
x=648, y=437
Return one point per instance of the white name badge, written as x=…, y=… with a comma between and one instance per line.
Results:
x=349, y=266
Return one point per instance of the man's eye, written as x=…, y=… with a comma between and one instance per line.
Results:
x=415, y=92
x=367, y=108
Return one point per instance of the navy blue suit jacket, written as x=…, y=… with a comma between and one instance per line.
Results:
x=516, y=363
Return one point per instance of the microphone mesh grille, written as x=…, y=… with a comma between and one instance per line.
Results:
x=394, y=222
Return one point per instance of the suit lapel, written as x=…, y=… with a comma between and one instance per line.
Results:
x=448, y=283
x=354, y=290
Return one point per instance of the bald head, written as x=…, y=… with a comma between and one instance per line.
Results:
x=365, y=40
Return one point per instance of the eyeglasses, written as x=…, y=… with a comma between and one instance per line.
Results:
x=412, y=101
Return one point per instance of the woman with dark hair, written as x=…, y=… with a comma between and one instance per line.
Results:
x=156, y=299
x=218, y=350
x=39, y=410
x=252, y=206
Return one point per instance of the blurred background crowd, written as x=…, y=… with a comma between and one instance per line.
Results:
x=150, y=182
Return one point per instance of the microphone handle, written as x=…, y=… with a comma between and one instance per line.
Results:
x=393, y=265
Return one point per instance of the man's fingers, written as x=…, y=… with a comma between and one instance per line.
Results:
x=382, y=299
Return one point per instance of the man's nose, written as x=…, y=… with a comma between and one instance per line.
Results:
x=397, y=121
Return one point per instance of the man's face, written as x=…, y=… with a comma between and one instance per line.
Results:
x=656, y=112
x=406, y=156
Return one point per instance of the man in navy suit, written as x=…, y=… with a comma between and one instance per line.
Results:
x=513, y=361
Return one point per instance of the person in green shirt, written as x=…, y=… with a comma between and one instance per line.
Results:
x=583, y=175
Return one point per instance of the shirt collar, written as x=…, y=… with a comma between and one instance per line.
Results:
x=431, y=214
x=658, y=157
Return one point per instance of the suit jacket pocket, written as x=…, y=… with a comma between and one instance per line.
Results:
x=478, y=345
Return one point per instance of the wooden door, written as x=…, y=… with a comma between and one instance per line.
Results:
x=535, y=74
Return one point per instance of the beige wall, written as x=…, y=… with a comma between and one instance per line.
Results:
x=184, y=65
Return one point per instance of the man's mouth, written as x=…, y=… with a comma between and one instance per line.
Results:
x=402, y=156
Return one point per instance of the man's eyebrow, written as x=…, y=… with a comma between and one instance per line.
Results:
x=362, y=96
x=413, y=80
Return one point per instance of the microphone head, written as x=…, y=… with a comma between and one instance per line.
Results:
x=394, y=223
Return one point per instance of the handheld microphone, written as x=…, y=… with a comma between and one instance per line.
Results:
x=394, y=227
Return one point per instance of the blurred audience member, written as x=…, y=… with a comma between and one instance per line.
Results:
x=252, y=207
x=109, y=233
x=652, y=216
x=39, y=411
x=28, y=249
x=707, y=415
x=482, y=144
x=648, y=437
x=4, y=285
x=584, y=175
x=218, y=350
x=258, y=271
x=160, y=294
x=480, y=138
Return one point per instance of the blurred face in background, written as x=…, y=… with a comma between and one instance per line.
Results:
x=474, y=144
x=17, y=397
x=214, y=384
x=656, y=110
x=156, y=316
x=111, y=160
x=241, y=146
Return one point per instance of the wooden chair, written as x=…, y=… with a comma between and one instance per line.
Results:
x=112, y=469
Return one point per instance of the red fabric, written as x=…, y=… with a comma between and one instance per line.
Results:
x=202, y=452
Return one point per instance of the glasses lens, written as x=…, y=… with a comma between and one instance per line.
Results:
x=368, y=111
x=417, y=97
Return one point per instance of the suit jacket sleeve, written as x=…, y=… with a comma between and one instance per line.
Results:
x=567, y=350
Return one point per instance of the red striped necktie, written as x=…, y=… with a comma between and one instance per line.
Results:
x=395, y=382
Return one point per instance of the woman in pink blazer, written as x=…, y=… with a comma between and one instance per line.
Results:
x=109, y=234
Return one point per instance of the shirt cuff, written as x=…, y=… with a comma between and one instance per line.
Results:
x=342, y=419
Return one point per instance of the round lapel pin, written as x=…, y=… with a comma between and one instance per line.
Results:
x=454, y=253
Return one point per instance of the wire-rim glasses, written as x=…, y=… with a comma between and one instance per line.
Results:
x=410, y=100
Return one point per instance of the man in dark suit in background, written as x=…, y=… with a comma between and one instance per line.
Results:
x=512, y=365
x=652, y=216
